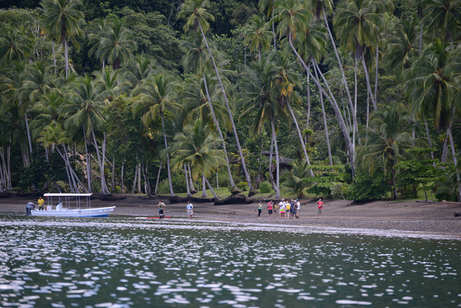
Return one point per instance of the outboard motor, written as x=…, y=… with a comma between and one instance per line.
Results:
x=29, y=207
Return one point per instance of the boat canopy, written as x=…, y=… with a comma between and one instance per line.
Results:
x=67, y=195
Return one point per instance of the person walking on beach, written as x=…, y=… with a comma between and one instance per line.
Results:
x=298, y=207
x=320, y=207
x=294, y=210
x=282, y=204
x=269, y=209
x=287, y=209
x=40, y=203
x=190, y=209
x=260, y=209
x=161, y=208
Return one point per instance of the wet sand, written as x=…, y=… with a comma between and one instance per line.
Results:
x=436, y=218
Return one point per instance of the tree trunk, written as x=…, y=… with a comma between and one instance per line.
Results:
x=339, y=61
x=428, y=136
x=133, y=188
x=375, y=107
x=147, y=186
x=273, y=30
x=113, y=175
x=326, y=130
x=121, y=177
x=277, y=191
x=300, y=138
x=231, y=180
x=167, y=157
x=8, y=165
x=204, y=194
x=308, y=102
x=158, y=177
x=72, y=183
x=271, y=176
x=376, y=76
x=189, y=195
x=394, y=183
x=3, y=170
x=455, y=160
x=247, y=176
x=88, y=160
x=54, y=57
x=139, y=178
x=104, y=189
x=444, y=150
x=66, y=56
x=211, y=188
x=191, y=182
x=28, y=134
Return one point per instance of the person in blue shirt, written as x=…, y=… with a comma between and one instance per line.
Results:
x=190, y=209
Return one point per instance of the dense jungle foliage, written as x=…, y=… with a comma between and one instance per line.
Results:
x=355, y=99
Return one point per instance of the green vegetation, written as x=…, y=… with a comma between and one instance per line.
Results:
x=355, y=99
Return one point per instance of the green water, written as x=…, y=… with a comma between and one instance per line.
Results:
x=127, y=262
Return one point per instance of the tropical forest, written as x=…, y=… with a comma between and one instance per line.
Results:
x=343, y=99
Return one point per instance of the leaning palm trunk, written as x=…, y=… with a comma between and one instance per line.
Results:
x=66, y=56
x=28, y=134
x=191, y=182
x=455, y=161
x=231, y=180
x=428, y=136
x=211, y=188
x=167, y=157
x=376, y=75
x=88, y=160
x=274, y=137
x=247, y=176
x=121, y=177
x=204, y=194
x=271, y=177
x=54, y=57
x=367, y=78
x=339, y=61
x=189, y=195
x=104, y=189
x=158, y=177
x=300, y=138
x=147, y=187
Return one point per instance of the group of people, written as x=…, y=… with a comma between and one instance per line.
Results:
x=161, y=209
x=287, y=209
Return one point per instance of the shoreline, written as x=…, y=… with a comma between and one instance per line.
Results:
x=436, y=218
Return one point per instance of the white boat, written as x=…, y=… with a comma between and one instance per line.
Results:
x=71, y=205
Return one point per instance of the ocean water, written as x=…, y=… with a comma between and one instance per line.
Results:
x=130, y=262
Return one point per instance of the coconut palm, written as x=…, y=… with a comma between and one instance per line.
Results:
x=444, y=17
x=257, y=35
x=269, y=5
x=432, y=87
x=15, y=44
x=198, y=145
x=84, y=110
x=138, y=70
x=196, y=17
x=285, y=78
x=156, y=96
x=197, y=61
x=294, y=180
x=114, y=45
x=62, y=20
x=95, y=31
x=387, y=145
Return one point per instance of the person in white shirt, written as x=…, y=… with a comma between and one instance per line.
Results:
x=190, y=209
x=298, y=204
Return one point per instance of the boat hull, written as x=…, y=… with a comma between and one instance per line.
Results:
x=93, y=212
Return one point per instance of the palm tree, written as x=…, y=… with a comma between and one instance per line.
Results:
x=432, y=86
x=387, y=145
x=197, y=61
x=138, y=70
x=295, y=179
x=258, y=96
x=269, y=4
x=285, y=80
x=15, y=44
x=156, y=96
x=95, y=31
x=257, y=35
x=115, y=45
x=62, y=20
x=443, y=16
x=197, y=145
x=196, y=14
x=85, y=110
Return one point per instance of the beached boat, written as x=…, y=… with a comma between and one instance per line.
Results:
x=71, y=205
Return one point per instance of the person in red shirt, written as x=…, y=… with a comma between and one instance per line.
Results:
x=320, y=207
x=269, y=209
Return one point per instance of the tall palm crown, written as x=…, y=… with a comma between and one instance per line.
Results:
x=293, y=18
x=198, y=145
x=403, y=46
x=443, y=16
x=258, y=35
x=15, y=44
x=196, y=57
x=358, y=22
x=115, y=44
x=195, y=12
x=431, y=86
x=62, y=20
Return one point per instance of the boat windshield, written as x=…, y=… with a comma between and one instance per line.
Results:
x=68, y=200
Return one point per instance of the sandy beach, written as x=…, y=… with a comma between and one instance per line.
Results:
x=437, y=218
